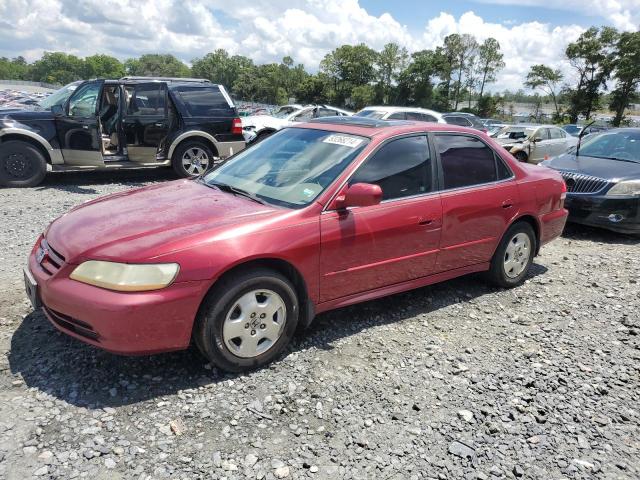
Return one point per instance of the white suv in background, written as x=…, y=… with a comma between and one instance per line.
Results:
x=256, y=127
x=401, y=113
x=534, y=143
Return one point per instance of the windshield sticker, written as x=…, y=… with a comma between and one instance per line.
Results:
x=344, y=140
x=308, y=192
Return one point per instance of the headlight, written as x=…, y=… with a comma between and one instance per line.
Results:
x=126, y=277
x=625, y=188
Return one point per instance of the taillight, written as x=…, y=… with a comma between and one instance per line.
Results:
x=236, y=126
x=563, y=195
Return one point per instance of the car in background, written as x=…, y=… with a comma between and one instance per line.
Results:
x=258, y=127
x=577, y=130
x=133, y=122
x=401, y=113
x=534, y=143
x=490, y=122
x=603, y=180
x=318, y=216
x=463, y=119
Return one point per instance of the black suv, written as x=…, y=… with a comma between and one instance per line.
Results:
x=132, y=122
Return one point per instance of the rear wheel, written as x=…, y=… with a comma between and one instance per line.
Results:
x=247, y=320
x=514, y=256
x=192, y=158
x=21, y=164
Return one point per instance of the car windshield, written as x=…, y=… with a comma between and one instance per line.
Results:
x=59, y=96
x=284, y=112
x=515, y=133
x=623, y=145
x=290, y=168
x=370, y=114
x=572, y=129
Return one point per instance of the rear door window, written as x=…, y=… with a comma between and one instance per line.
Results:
x=146, y=99
x=461, y=121
x=203, y=101
x=468, y=161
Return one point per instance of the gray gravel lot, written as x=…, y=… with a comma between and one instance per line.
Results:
x=458, y=380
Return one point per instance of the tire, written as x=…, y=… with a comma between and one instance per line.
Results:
x=21, y=164
x=262, y=135
x=509, y=275
x=521, y=157
x=235, y=338
x=185, y=158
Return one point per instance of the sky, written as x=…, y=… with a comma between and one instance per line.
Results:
x=529, y=31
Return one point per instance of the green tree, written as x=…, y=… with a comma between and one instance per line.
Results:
x=14, y=69
x=465, y=49
x=102, y=66
x=57, y=67
x=361, y=96
x=592, y=57
x=347, y=67
x=390, y=62
x=221, y=68
x=415, y=83
x=548, y=80
x=313, y=89
x=626, y=71
x=487, y=106
x=157, y=65
x=490, y=62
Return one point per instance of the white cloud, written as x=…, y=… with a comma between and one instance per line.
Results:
x=267, y=30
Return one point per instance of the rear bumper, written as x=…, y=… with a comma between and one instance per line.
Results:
x=124, y=323
x=552, y=224
x=226, y=149
x=618, y=214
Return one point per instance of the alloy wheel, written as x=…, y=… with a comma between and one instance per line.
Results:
x=195, y=161
x=517, y=255
x=254, y=323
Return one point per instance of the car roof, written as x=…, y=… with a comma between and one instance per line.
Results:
x=387, y=108
x=368, y=127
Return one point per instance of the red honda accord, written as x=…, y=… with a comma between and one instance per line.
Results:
x=315, y=217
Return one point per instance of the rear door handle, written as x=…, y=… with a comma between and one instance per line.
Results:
x=507, y=204
x=425, y=221
x=159, y=124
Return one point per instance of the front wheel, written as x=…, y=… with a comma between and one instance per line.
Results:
x=247, y=320
x=522, y=157
x=514, y=256
x=21, y=164
x=191, y=159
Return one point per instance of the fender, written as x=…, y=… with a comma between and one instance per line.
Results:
x=54, y=154
x=190, y=133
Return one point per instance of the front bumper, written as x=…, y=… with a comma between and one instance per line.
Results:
x=620, y=214
x=126, y=323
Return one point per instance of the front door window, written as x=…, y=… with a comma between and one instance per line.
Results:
x=84, y=100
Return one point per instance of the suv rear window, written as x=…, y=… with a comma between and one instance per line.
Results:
x=202, y=101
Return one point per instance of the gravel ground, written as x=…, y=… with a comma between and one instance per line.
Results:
x=458, y=380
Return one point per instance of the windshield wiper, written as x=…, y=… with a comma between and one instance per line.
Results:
x=236, y=191
x=616, y=158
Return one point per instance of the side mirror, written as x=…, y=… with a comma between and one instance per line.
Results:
x=537, y=139
x=57, y=110
x=358, y=195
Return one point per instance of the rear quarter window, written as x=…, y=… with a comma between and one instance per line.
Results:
x=203, y=101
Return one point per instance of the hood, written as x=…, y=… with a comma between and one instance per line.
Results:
x=138, y=225
x=18, y=115
x=597, y=167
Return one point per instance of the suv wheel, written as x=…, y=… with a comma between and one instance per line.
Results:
x=247, y=320
x=192, y=158
x=514, y=256
x=21, y=164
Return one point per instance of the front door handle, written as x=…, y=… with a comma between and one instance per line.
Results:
x=159, y=124
x=425, y=222
x=86, y=127
x=507, y=204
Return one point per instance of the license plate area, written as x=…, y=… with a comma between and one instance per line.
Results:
x=31, y=288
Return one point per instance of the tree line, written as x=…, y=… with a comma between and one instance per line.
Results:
x=453, y=76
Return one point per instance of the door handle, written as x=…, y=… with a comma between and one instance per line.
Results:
x=425, y=221
x=507, y=204
x=86, y=127
x=159, y=124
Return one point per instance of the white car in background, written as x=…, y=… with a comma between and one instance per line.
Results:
x=534, y=143
x=402, y=113
x=256, y=127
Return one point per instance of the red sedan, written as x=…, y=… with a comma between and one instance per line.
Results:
x=316, y=217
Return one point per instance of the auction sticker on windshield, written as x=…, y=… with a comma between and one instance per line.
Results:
x=344, y=140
